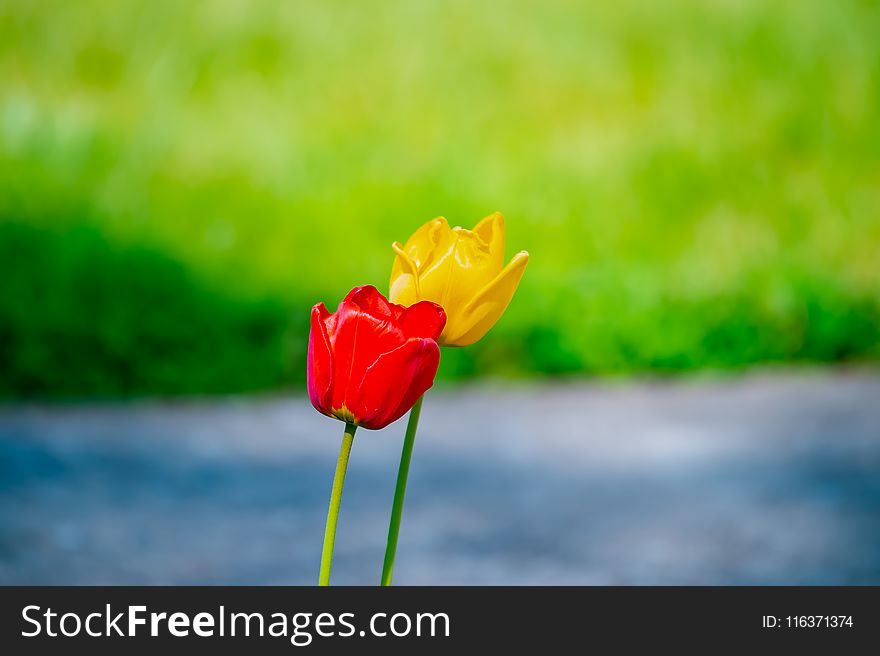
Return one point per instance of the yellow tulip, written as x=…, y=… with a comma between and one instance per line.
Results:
x=462, y=270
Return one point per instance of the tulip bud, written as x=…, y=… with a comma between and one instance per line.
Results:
x=371, y=360
x=463, y=271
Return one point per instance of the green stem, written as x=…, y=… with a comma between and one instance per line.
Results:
x=335, y=500
x=400, y=492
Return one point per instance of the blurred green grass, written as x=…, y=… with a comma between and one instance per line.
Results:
x=698, y=182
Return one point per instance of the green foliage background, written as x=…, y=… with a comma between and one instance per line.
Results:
x=698, y=183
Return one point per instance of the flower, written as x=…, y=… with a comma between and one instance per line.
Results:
x=371, y=360
x=460, y=269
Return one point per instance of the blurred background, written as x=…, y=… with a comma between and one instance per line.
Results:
x=698, y=184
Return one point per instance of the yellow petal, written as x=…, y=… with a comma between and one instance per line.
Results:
x=421, y=243
x=491, y=231
x=476, y=317
x=404, y=287
x=425, y=240
x=460, y=265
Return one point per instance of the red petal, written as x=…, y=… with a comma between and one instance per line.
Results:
x=371, y=300
x=423, y=319
x=319, y=371
x=359, y=339
x=395, y=381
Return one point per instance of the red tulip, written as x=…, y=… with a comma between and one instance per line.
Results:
x=371, y=360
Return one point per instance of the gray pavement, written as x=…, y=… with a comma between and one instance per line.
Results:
x=766, y=478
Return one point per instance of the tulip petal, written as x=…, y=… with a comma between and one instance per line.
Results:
x=404, y=287
x=358, y=340
x=319, y=372
x=369, y=298
x=422, y=242
x=395, y=381
x=423, y=319
x=491, y=231
x=430, y=244
x=487, y=306
x=459, y=266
